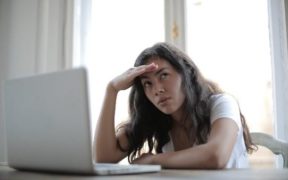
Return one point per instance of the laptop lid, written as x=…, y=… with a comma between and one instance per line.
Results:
x=47, y=121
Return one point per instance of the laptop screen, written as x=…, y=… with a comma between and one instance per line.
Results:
x=47, y=119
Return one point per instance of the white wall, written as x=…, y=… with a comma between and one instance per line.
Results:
x=35, y=37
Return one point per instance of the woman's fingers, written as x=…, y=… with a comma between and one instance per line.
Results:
x=151, y=67
x=126, y=79
x=137, y=71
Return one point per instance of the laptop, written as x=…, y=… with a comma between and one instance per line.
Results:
x=48, y=126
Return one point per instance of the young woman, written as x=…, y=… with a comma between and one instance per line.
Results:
x=186, y=120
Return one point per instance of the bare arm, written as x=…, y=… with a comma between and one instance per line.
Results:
x=105, y=141
x=212, y=155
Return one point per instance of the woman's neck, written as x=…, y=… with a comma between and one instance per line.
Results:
x=183, y=136
x=178, y=115
x=179, y=119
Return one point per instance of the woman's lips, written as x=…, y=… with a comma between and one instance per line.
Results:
x=163, y=101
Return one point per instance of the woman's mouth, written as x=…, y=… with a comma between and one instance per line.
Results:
x=163, y=101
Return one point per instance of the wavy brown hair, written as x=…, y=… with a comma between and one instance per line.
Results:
x=148, y=124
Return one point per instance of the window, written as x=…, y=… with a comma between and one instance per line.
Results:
x=115, y=41
x=229, y=41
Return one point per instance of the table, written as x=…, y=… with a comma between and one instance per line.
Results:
x=7, y=173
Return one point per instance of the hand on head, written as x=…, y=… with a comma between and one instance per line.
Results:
x=125, y=80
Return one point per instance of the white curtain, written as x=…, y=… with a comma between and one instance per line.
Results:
x=35, y=37
x=278, y=19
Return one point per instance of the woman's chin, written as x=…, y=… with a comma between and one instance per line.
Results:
x=167, y=111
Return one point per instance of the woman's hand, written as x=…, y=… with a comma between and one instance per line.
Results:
x=125, y=80
x=146, y=158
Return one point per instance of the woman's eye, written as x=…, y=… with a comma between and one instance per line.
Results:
x=146, y=84
x=163, y=76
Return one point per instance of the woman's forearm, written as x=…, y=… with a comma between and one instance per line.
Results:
x=213, y=155
x=199, y=157
x=105, y=139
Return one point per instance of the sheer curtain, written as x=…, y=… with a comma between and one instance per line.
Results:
x=36, y=37
x=278, y=23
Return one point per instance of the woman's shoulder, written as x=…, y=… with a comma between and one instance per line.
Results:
x=222, y=97
x=224, y=105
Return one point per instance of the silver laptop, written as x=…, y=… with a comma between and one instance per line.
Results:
x=48, y=126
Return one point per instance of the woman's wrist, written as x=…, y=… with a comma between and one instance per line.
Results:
x=111, y=89
x=156, y=159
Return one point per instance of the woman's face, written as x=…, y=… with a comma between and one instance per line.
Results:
x=163, y=87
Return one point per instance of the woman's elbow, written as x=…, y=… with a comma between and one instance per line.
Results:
x=100, y=159
x=103, y=158
x=218, y=160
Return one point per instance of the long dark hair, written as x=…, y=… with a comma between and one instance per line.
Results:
x=149, y=125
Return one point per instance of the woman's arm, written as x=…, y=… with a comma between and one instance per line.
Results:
x=212, y=155
x=105, y=141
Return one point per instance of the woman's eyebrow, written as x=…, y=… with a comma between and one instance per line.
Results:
x=159, y=71
x=155, y=74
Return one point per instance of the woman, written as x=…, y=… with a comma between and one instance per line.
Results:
x=186, y=120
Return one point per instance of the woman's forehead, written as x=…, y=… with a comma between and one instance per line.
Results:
x=162, y=66
x=157, y=60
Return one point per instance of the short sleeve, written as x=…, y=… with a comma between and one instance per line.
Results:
x=225, y=106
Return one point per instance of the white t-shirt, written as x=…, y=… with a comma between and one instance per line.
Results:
x=224, y=105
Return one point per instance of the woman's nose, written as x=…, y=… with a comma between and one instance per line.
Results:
x=159, y=89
